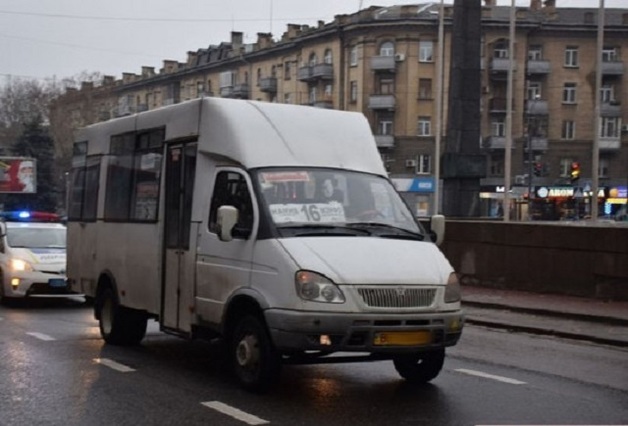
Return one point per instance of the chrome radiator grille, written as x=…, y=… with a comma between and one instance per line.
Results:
x=397, y=297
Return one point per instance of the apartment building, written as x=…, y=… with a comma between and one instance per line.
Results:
x=383, y=62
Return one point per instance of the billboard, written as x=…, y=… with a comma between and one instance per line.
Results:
x=18, y=175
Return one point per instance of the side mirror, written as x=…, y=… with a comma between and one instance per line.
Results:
x=437, y=228
x=226, y=219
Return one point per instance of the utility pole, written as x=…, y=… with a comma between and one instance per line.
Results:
x=595, y=163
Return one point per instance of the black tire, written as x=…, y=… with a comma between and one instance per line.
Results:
x=119, y=325
x=254, y=359
x=420, y=367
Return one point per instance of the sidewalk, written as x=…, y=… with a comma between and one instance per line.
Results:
x=564, y=316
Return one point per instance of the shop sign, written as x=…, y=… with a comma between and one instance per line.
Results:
x=414, y=185
x=554, y=191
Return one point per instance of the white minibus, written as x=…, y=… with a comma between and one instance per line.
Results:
x=272, y=226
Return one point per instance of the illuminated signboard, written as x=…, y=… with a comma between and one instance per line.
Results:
x=18, y=175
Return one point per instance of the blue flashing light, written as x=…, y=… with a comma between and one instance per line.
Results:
x=24, y=215
x=27, y=216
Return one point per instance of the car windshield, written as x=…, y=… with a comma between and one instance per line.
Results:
x=36, y=237
x=324, y=198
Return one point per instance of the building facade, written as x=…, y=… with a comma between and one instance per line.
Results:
x=382, y=62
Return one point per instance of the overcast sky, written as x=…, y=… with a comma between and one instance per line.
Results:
x=62, y=38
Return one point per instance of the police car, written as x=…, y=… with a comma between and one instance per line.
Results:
x=32, y=255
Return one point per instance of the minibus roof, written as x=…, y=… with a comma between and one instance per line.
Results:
x=255, y=134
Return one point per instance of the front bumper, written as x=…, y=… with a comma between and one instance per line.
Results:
x=298, y=331
x=36, y=284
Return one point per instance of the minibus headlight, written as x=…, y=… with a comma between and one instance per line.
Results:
x=316, y=288
x=19, y=265
x=452, y=291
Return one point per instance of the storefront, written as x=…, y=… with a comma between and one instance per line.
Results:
x=418, y=193
x=492, y=201
x=563, y=202
x=616, y=203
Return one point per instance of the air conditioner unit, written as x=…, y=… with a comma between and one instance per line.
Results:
x=400, y=57
x=624, y=128
x=520, y=179
x=410, y=163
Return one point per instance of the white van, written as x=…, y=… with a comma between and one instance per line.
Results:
x=273, y=226
x=32, y=255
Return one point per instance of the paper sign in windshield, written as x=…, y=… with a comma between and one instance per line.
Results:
x=308, y=213
x=274, y=177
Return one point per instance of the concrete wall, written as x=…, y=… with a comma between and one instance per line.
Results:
x=558, y=258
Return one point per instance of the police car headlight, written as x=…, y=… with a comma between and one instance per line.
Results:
x=317, y=288
x=19, y=265
x=452, y=291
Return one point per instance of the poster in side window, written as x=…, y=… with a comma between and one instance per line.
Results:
x=18, y=175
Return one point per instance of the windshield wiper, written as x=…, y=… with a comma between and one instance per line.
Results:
x=407, y=234
x=322, y=229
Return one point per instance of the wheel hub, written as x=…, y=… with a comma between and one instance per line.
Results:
x=247, y=351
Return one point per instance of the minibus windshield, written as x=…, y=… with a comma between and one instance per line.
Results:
x=324, y=198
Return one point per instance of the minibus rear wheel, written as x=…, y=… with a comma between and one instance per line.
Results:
x=119, y=325
x=420, y=367
x=255, y=361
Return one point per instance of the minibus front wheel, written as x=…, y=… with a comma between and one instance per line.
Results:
x=255, y=361
x=420, y=367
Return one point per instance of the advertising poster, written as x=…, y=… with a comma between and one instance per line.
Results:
x=17, y=175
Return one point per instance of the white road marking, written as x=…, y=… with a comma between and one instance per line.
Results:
x=235, y=413
x=42, y=336
x=114, y=365
x=490, y=376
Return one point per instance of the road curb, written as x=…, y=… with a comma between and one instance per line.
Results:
x=547, y=332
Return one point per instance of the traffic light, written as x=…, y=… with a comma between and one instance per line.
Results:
x=575, y=171
x=538, y=168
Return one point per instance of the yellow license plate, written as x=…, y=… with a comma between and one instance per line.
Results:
x=402, y=338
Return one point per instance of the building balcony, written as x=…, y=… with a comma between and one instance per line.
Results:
x=268, y=84
x=539, y=143
x=537, y=107
x=316, y=72
x=613, y=68
x=237, y=91
x=494, y=142
x=610, y=143
x=383, y=63
x=326, y=103
x=382, y=102
x=539, y=67
x=610, y=109
x=385, y=141
x=499, y=67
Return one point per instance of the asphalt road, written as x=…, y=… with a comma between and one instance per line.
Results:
x=55, y=370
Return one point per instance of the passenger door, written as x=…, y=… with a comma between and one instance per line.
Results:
x=179, y=238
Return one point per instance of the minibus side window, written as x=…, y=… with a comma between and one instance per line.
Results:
x=231, y=190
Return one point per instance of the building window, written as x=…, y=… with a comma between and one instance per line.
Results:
x=498, y=128
x=534, y=90
x=565, y=167
x=286, y=71
x=354, y=91
x=425, y=88
x=569, y=93
x=200, y=88
x=353, y=56
x=312, y=95
x=387, y=49
x=328, y=57
x=568, y=130
x=273, y=71
x=426, y=51
x=258, y=76
x=609, y=54
x=607, y=93
x=313, y=59
x=385, y=125
x=287, y=98
x=424, y=163
x=424, y=126
x=497, y=166
x=609, y=127
x=571, y=56
x=535, y=53
x=386, y=85
x=329, y=89
x=603, y=167
x=500, y=50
